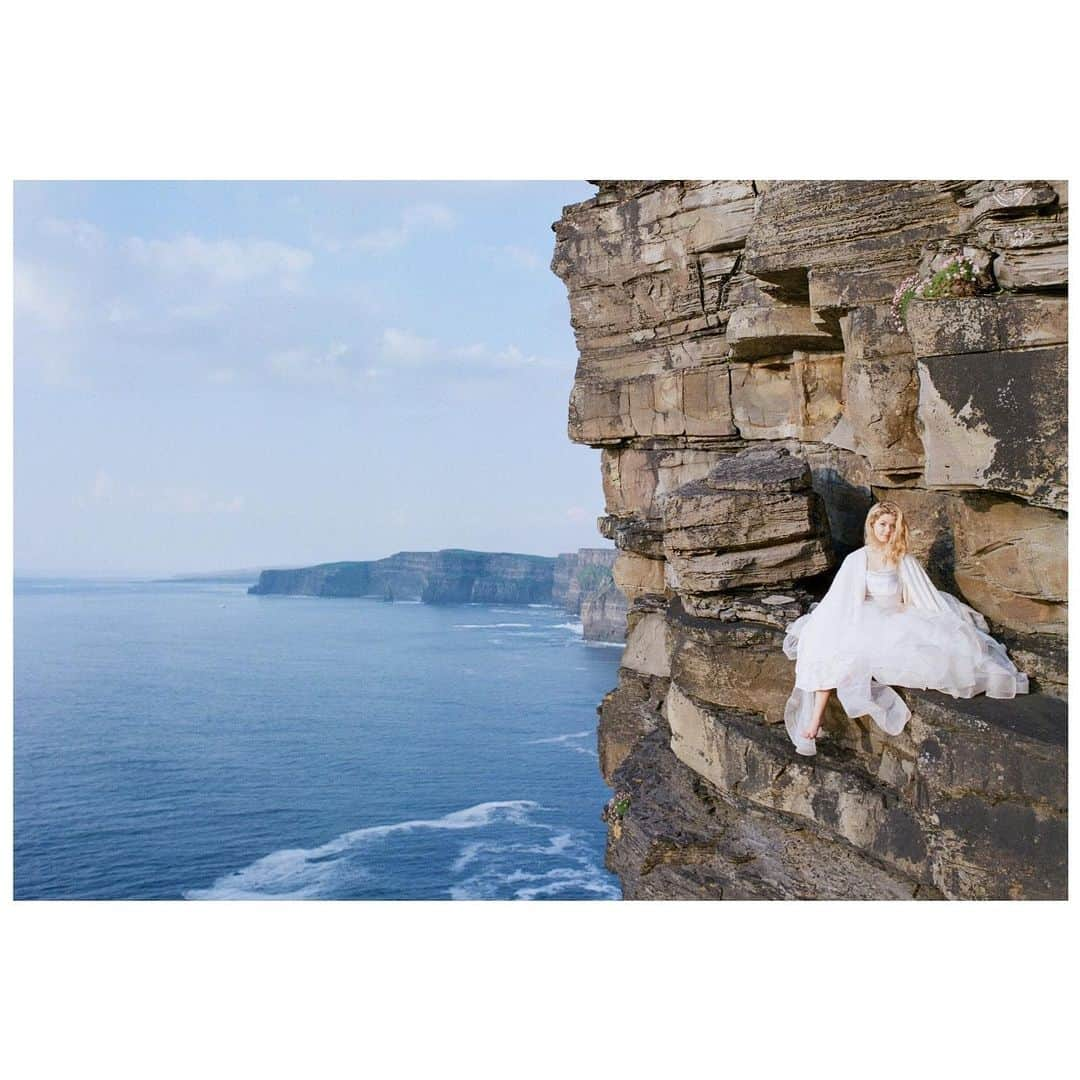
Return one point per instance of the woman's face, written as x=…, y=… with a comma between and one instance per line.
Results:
x=883, y=528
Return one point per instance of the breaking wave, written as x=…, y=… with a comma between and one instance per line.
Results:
x=508, y=862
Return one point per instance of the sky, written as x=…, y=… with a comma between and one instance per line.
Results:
x=223, y=375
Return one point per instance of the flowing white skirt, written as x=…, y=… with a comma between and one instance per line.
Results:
x=888, y=646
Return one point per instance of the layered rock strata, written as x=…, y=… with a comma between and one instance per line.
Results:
x=753, y=392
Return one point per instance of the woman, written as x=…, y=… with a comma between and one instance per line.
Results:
x=882, y=624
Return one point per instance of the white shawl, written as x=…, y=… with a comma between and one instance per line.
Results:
x=848, y=591
x=838, y=615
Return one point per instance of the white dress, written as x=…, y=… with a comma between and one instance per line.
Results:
x=877, y=629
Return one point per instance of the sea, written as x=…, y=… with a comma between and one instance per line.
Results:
x=187, y=741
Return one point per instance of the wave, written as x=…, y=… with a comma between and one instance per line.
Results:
x=503, y=865
x=563, y=738
x=576, y=627
x=488, y=626
x=501, y=872
x=569, y=742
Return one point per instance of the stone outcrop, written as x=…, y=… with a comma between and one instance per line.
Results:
x=753, y=391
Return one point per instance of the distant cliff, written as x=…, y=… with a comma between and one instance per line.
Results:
x=449, y=576
x=584, y=586
x=578, y=573
x=457, y=576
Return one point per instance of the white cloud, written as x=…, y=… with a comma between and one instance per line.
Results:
x=510, y=357
x=406, y=347
x=314, y=367
x=82, y=233
x=103, y=491
x=413, y=220
x=39, y=296
x=225, y=262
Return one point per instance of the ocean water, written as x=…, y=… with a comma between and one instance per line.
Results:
x=190, y=741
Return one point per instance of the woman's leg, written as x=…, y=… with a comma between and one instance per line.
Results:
x=821, y=699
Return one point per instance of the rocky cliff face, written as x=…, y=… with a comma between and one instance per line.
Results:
x=754, y=389
x=578, y=581
x=436, y=577
x=584, y=586
x=578, y=573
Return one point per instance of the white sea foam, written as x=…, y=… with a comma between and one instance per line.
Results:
x=498, y=867
x=556, y=845
x=569, y=741
x=563, y=738
x=576, y=627
x=493, y=881
x=607, y=644
x=488, y=625
x=304, y=873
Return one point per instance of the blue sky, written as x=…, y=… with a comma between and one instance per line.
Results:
x=219, y=375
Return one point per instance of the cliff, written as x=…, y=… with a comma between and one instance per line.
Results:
x=456, y=576
x=584, y=586
x=449, y=576
x=759, y=363
x=578, y=573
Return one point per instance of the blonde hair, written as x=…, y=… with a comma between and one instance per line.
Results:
x=896, y=548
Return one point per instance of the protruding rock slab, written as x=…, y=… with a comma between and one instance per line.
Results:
x=634, y=533
x=779, y=328
x=754, y=520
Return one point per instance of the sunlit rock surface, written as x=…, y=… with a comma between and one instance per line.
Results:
x=753, y=392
